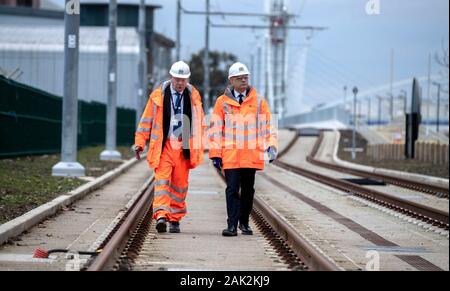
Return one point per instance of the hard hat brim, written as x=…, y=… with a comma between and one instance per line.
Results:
x=180, y=76
x=237, y=75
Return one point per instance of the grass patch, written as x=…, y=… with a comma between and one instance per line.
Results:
x=26, y=182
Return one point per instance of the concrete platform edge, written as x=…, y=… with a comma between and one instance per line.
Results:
x=441, y=182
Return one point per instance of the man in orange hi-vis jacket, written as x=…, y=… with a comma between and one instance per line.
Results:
x=241, y=132
x=172, y=123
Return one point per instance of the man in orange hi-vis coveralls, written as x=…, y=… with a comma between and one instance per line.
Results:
x=172, y=123
x=241, y=131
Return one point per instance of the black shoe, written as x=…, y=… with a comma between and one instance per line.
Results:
x=161, y=225
x=174, y=227
x=246, y=229
x=230, y=231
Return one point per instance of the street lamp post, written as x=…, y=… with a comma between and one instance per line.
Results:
x=380, y=101
x=438, y=104
x=345, y=97
x=355, y=93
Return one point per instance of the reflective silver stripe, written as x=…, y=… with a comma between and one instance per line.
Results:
x=177, y=189
x=141, y=129
x=171, y=210
x=240, y=127
x=241, y=137
x=171, y=195
x=154, y=118
x=264, y=132
x=225, y=108
x=258, y=110
x=217, y=123
x=194, y=119
x=154, y=136
x=146, y=120
x=167, y=183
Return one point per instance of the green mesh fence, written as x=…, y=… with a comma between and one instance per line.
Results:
x=30, y=121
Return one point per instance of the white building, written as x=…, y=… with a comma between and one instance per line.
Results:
x=38, y=55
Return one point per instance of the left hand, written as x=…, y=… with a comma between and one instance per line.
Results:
x=272, y=152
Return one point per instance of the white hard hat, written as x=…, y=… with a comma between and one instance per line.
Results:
x=238, y=69
x=180, y=70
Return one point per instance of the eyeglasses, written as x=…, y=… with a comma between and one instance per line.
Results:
x=242, y=78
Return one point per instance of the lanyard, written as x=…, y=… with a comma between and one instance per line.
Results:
x=178, y=105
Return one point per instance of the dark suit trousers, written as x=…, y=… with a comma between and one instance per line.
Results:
x=240, y=192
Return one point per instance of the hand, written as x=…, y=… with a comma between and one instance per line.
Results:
x=137, y=151
x=217, y=162
x=272, y=152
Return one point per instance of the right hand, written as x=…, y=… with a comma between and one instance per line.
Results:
x=217, y=162
x=137, y=151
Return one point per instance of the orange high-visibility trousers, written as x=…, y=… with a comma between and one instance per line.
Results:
x=172, y=182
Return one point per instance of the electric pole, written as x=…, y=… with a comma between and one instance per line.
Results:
x=391, y=89
x=259, y=72
x=405, y=101
x=178, y=30
x=380, y=103
x=111, y=154
x=206, y=61
x=438, y=113
x=142, y=66
x=355, y=93
x=345, y=96
x=427, y=128
x=68, y=166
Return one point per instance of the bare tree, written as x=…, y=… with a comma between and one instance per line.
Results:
x=442, y=59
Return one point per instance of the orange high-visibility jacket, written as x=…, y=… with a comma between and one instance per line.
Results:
x=151, y=127
x=240, y=134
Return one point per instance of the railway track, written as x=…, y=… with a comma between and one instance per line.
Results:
x=123, y=245
x=421, y=212
x=440, y=192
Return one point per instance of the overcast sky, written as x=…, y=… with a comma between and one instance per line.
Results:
x=355, y=50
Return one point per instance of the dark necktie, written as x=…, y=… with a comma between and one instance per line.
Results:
x=241, y=98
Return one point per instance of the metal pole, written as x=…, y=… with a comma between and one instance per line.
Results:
x=391, y=103
x=68, y=166
x=259, y=61
x=178, y=29
x=359, y=112
x=438, y=105
x=142, y=87
x=355, y=93
x=427, y=129
x=269, y=75
x=206, y=61
x=380, y=99
x=369, y=107
x=111, y=153
x=345, y=96
x=252, y=69
x=405, y=101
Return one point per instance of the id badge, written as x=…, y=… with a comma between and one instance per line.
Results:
x=175, y=122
